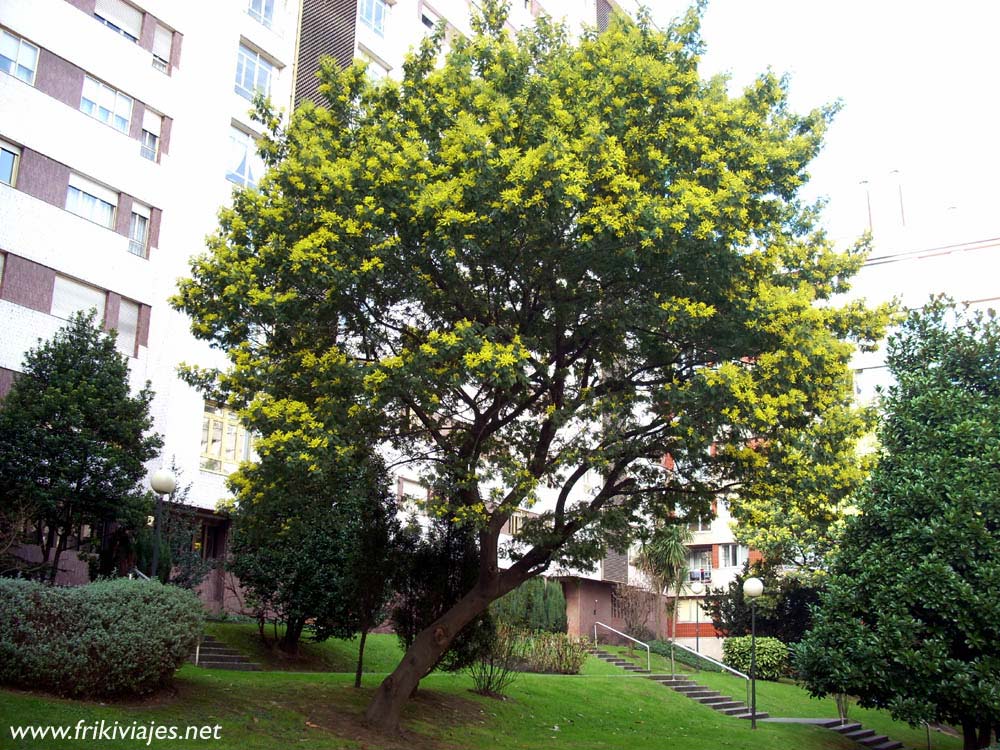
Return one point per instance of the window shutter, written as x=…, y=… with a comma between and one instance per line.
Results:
x=163, y=39
x=122, y=15
x=128, y=326
x=69, y=296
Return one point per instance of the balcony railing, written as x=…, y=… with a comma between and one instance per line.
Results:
x=700, y=574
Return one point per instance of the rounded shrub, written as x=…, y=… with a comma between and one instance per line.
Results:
x=110, y=638
x=772, y=656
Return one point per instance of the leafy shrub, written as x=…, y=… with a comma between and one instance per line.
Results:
x=537, y=604
x=109, y=638
x=772, y=656
x=496, y=668
x=551, y=653
x=682, y=657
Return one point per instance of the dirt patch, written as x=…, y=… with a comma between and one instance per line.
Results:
x=444, y=710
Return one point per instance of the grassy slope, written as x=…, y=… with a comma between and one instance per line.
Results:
x=313, y=711
x=382, y=652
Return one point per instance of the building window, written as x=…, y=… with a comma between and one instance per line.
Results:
x=149, y=140
x=224, y=441
x=138, y=231
x=376, y=70
x=700, y=524
x=91, y=201
x=733, y=555
x=428, y=19
x=163, y=42
x=120, y=17
x=262, y=10
x=373, y=13
x=700, y=564
x=9, y=157
x=128, y=327
x=245, y=164
x=253, y=73
x=69, y=296
x=106, y=104
x=18, y=57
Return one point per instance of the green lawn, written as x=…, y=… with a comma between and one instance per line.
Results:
x=382, y=652
x=313, y=711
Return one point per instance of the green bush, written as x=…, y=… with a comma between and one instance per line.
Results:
x=537, y=604
x=110, y=638
x=551, y=653
x=683, y=657
x=772, y=656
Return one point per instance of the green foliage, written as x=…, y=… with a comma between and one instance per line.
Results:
x=317, y=548
x=496, y=667
x=537, y=604
x=439, y=566
x=74, y=440
x=551, y=653
x=772, y=656
x=910, y=620
x=543, y=260
x=663, y=648
x=110, y=638
x=783, y=610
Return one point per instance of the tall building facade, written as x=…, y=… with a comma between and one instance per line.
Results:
x=124, y=126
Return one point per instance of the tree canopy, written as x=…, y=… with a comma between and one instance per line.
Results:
x=543, y=264
x=910, y=620
x=74, y=439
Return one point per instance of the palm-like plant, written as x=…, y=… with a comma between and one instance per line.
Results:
x=664, y=559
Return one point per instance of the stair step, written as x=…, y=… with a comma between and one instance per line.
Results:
x=749, y=716
x=703, y=693
x=738, y=710
x=890, y=745
x=728, y=706
x=689, y=689
x=845, y=728
x=859, y=734
x=715, y=700
x=877, y=739
x=238, y=666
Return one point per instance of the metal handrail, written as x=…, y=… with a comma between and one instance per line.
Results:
x=718, y=664
x=623, y=635
x=137, y=572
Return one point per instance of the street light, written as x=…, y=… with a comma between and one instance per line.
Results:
x=753, y=587
x=697, y=589
x=163, y=483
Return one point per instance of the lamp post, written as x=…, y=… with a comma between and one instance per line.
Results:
x=163, y=483
x=697, y=589
x=753, y=587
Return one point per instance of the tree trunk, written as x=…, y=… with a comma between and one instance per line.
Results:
x=55, y=558
x=970, y=734
x=387, y=703
x=361, y=658
x=289, y=642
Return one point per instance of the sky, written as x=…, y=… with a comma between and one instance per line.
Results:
x=918, y=84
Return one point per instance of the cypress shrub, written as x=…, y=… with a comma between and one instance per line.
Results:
x=110, y=638
x=537, y=604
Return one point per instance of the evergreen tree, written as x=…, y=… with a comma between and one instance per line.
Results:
x=911, y=620
x=74, y=439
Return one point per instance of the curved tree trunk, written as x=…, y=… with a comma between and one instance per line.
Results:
x=289, y=642
x=387, y=704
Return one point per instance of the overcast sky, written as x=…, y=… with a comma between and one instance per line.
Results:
x=919, y=85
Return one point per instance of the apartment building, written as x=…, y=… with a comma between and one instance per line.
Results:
x=124, y=127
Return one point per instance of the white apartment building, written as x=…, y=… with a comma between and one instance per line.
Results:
x=124, y=126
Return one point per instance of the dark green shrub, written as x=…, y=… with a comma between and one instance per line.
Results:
x=109, y=638
x=496, y=668
x=772, y=656
x=683, y=657
x=537, y=604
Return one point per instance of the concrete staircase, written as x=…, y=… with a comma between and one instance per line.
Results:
x=618, y=661
x=712, y=698
x=866, y=737
x=216, y=655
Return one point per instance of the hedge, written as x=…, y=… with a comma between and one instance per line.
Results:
x=110, y=638
x=772, y=656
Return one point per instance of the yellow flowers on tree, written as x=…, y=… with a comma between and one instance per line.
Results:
x=541, y=261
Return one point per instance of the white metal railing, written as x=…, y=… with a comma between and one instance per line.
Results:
x=623, y=635
x=718, y=664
